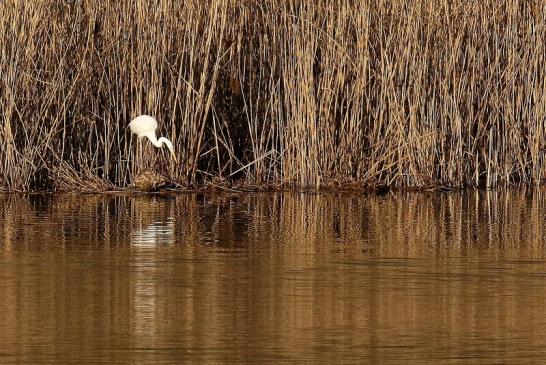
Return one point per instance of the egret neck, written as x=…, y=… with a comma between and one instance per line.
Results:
x=159, y=143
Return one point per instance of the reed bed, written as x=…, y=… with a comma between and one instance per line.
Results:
x=274, y=93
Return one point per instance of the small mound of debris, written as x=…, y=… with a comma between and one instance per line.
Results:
x=149, y=181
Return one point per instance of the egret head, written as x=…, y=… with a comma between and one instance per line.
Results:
x=170, y=147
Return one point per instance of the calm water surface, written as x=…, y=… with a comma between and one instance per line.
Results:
x=273, y=278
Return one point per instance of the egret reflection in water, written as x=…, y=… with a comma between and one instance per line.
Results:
x=154, y=234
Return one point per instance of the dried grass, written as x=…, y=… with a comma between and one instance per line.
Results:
x=274, y=93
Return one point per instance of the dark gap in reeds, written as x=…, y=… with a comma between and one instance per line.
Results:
x=277, y=93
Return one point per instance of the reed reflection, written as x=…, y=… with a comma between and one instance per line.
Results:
x=258, y=277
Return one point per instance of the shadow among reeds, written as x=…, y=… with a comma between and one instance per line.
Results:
x=276, y=93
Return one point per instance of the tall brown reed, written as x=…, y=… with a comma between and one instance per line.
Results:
x=278, y=92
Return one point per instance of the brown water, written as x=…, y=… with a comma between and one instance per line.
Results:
x=273, y=278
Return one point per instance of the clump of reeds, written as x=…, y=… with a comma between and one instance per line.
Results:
x=274, y=93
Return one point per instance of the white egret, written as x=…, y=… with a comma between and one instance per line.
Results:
x=145, y=126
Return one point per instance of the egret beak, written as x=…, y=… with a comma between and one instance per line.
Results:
x=174, y=156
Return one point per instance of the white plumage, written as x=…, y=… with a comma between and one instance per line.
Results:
x=145, y=126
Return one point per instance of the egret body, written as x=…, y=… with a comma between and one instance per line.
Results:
x=145, y=126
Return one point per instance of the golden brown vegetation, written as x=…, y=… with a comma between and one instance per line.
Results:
x=274, y=93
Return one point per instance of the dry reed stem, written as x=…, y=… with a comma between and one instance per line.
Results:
x=283, y=93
